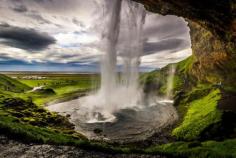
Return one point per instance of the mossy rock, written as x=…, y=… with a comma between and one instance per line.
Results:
x=14, y=102
x=45, y=91
x=201, y=113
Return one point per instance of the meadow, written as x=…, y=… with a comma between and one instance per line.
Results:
x=23, y=116
x=47, y=87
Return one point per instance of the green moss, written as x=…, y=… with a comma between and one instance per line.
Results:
x=201, y=113
x=9, y=84
x=29, y=123
x=177, y=83
x=185, y=65
x=13, y=128
x=28, y=113
x=157, y=80
x=209, y=149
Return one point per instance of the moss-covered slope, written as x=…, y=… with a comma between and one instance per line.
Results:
x=207, y=149
x=204, y=107
x=20, y=118
x=201, y=114
x=9, y=84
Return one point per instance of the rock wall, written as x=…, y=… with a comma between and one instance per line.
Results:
x=213, y=34
x=212, y=67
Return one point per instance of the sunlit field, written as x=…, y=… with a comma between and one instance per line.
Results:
x=55, y=86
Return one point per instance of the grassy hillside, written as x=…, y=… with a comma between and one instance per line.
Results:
x=9, y=84
x=23, y=118
x=200, y=114
x=196, y=149
x=54, y=86
x=156, y=81
x=24, y=121
x=206, y=110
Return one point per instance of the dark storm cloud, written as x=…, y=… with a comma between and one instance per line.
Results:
x=20, y=8
x=28, y=39
x=172, y=45
x=4, y=24
x=3, y=56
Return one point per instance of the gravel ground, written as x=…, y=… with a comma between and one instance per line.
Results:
x=13, y=149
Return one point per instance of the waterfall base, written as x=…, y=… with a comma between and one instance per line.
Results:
x=125, y=125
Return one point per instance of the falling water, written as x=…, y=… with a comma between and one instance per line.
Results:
x=118, y=108
x=133, y=47
x=110, y=36
x=129, y=51
x=170, y=81
x=119, y=91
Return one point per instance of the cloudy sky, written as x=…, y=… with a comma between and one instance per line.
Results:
x=63, y=35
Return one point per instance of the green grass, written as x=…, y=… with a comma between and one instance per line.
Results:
x=27, y=112
x=200, y=114
x=11, y=126
x=15, y=124
x=33, y=134
x=9, y=84
x=14, y=128
x=22, y=120
x=185, y=65
x=207, y=149
x=63, y=83
x=28, y=133
x=27, y=122
x=159, y=78
x=65, y=86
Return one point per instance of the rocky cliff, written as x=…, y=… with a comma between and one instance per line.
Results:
x=204, y=84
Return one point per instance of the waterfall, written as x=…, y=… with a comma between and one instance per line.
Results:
x=119, y=108
x=133, y=47
x=130, y=51
x=121, y=38
x=170, y=81
x=110, y=35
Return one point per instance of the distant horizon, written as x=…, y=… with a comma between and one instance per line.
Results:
x=62, y=68
x=64, y=71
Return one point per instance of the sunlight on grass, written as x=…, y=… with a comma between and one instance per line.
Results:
x=64, y=86
x=209, y=149
x=201, y=114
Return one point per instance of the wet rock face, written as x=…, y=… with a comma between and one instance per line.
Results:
x=213, y=34
x=214, y=57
